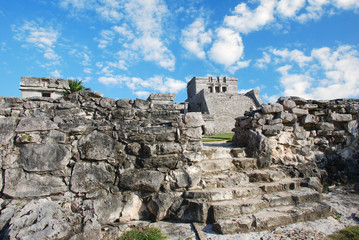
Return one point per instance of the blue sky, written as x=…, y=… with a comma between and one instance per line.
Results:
x=130, y=48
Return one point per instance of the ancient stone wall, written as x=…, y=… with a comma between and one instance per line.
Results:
x=296, y=131
x=93, y=160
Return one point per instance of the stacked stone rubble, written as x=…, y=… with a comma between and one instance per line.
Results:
x=299, y=132
x=93, y=159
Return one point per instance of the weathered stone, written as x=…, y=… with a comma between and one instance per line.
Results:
x=169, y=147
x=289, y=104
x=133, y=209
x=336, y=117
x=44, y=157
x=19, y=184
x=141, y=180
x=193, y=119
x=314, y=183
x=90, y=94
x=310, y=106
x=192, y=211
x=271, y=130
x=272, y=108
x=310, y=119
x=44, y=219
x=288, y=117
x=124, y=103
x=35, y=124
x=299, y=111
x=108, y=103
x=194, y=133
x=141, y=104
x=108, y=209
x=352, y=128
x=96, y=146
x=275, y=121
x=7, y=127
x=159, y=205
x=188, y=176
x=134, y=148
x=89, y=177
x=325, y=126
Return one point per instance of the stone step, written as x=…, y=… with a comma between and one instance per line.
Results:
x=238, y=152
x=232, y=208
x=249, y=190
x=270, y=218
x=216, y=165
x=224, y=179
x=209, y=153
x=266, y=175
x=244, y=163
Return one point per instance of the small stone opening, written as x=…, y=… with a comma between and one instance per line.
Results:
x=46, y=94
x=224, y=89
x=210, y=89
x=217, y=89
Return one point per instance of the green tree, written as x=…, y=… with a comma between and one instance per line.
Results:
x=75, y=86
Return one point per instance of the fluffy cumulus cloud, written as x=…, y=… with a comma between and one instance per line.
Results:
x=38, y=35
x=245, y=20
x=157, y=83
x=324, y=74
x=228, y=47
x=195, y=37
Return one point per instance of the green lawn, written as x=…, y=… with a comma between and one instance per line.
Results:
x=351, y=232
x=219, y=137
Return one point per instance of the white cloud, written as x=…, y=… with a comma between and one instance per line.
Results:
x=346, y=4
x=110, y=10
x=264, y=61
x=120, y=64
x=87, y=70
x=228, y=47
x=245, y=20
x=81, y=55
x=142, y=94
x=325, y=74
x=43, y=38
x=157, y=84
x=55, y=74
x=112, y=80
x=289, y=8
x=106, y=38
x=240, y=64
x=195, y=37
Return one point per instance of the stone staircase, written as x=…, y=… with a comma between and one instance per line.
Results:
x=237, y=197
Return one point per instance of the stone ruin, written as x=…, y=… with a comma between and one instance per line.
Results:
x=83, y=166
x=218, y=100
x=43, y=87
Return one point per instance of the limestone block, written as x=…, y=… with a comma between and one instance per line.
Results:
x=7, y=127
x=20, y=184
x=337, y=117
x=124, y=103
x=288, y=117
x=44, y=157
x=352, y=128
x=300, y=112
x=133, y=209
x=141, y=104
x=272, y=108
x=89, y=177
x=44, y=219
x=96, y=146
x=193, y=133
x=193, y=119
x=271, y=130
x=289, y=104
x=310, y=119
x=141, y=180
x=159, y=205
x=188, y=176
x=310, y=106
x=134, y=148
x=275, y=121
x=90, y=94
x=108, y=209
x=170, y=147
x=326, y=126
x=35, y=124
x=192, y=211
x=108, y=103
x=285, y=138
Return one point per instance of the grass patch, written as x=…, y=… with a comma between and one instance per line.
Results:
x=351, y=232
x=147, y=233
x=219, y=137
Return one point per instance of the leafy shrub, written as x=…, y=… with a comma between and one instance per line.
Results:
x=148, y=233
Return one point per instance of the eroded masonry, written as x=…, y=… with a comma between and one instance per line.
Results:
x=83, y=165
